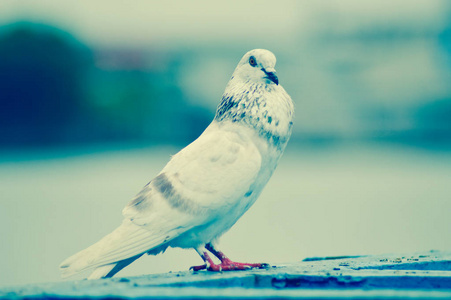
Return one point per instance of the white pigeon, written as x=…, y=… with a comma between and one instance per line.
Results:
x=210, y=184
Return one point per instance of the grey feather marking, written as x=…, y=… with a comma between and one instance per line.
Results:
x=163, y=185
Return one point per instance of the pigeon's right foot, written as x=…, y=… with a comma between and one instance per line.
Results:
x=225, y=265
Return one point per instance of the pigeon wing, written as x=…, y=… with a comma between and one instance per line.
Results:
x=200, y=183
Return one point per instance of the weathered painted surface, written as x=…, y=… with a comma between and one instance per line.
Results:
x=419, y=276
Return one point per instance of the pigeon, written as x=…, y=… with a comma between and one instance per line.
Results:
x=207, y=186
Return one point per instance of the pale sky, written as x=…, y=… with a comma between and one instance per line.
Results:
x=165, y=23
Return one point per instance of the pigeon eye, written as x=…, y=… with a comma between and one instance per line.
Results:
x=252, y=61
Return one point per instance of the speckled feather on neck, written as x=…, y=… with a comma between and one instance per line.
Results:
x=262, y=106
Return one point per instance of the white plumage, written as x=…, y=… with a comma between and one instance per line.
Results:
x=210, y=184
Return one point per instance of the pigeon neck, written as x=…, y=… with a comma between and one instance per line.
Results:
x=264, y=107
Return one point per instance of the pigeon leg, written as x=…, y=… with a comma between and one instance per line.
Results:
x=229, y=265
x=206, y=258
x=225, y=265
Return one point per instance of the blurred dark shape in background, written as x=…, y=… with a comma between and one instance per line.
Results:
x=42, y=93
x=433, y=121
x=57, y=91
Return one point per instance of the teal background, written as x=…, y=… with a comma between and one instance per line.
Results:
x=96, y=96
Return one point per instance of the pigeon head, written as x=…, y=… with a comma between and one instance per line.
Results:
x=254, y=97
x=257, y=66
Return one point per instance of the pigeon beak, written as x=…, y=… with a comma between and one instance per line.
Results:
x=271, y=75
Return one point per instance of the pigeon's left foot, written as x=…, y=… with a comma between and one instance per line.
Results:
x=225, y=265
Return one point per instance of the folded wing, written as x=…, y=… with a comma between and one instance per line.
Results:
x=200, y=183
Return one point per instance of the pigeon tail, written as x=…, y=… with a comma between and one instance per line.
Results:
x=112, y=253
x=110, y=270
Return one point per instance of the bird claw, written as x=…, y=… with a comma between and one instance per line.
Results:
x=229, y=266
x=198, y=268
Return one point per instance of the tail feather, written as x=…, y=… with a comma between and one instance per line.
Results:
x=111, y=269
x=113, y=252
x=101, y=272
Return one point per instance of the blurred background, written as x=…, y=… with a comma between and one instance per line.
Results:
x=96, y=95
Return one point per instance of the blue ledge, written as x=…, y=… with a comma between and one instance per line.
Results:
x=419, y=276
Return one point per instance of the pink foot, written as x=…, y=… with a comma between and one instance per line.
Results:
x=225, y=265
x=228, y=265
